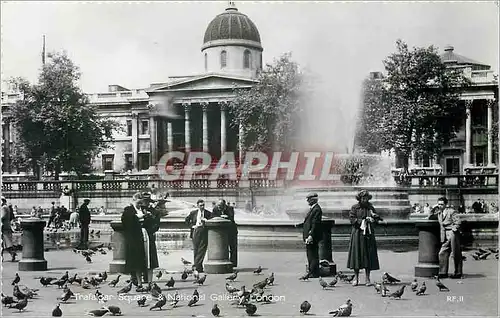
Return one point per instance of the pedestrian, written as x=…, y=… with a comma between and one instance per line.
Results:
x=199, y=234
x=151, y=224
x=311, y=234
x=53, y=213
x=74, y=219
x=222, y=209
x=7, y=238
x=136, y=258
x=477, y=206
x=427, y=208
x=84, y=215
x=362, y=245
x=449, y=224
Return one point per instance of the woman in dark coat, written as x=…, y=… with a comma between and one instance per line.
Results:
x=363, y=247
x=135, y=257
x=151, y=223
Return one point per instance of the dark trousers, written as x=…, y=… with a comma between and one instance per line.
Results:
x=84, y=235
x=452, y=244
x=233, y=246
x=312, y=251
x=200, y=243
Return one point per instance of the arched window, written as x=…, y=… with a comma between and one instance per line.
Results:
x=206, y=62
x=223, y=59
x=246, y=59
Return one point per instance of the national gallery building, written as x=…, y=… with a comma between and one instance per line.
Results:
x=232, y=57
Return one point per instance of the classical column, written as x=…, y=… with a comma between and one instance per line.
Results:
x=468, y=132
x=223, y=128
x=170, y=137
x=187, y=131
x=153, y=141
x=490, y=104
x=204, y=106
x=135, y=140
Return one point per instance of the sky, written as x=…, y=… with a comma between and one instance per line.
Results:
x=135, y=44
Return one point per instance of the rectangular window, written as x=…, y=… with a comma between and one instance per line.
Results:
x=143, y=161
x=129, y=164
x=145, y=127
x=107, y=162
x=129, y=128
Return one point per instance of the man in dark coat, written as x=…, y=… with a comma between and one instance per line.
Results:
x=225, y=211
x=196, y=220
x=84, y=214
x=135, y=255
x=311, y=234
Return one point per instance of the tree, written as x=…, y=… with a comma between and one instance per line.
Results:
x=269, y=111
x=57, y=128
x=416, y=107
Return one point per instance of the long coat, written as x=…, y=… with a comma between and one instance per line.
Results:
x=152, y=224
x=312, y=224
x=362, y=246
x=135, y=256
x=229, y=211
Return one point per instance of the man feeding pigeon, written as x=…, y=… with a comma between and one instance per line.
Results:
x=449, y=224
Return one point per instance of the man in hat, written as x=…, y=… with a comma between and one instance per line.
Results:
x=311, y=234
x=226, y=211
x=84, y=214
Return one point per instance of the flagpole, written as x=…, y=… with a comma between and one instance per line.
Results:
x=43, y=51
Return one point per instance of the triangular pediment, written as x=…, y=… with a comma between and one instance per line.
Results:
x=207, y=81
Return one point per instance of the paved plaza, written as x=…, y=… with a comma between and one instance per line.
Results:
x=475, y=295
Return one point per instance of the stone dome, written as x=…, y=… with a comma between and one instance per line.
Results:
x=231, y=28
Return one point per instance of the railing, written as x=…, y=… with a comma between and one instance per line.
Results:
x=456, y=181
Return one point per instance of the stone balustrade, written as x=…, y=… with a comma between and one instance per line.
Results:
x=452, y=181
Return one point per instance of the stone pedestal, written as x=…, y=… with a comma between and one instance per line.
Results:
x=217, y=261
x=325, y=249
x=117, y=265
x=428, y=248
x=32, y=241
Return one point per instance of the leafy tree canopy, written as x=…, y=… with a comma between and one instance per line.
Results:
x=270, y=111
x=415, y=107
x=57, y=128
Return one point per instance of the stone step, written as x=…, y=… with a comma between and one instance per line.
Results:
x=400, y=213
x=350, y=203
x=352, y=196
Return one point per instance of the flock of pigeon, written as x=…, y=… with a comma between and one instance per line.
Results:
x=242, y=297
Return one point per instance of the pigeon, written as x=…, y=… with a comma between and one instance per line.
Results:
x=66, y=296
x=348, y=279
x=250, y=309
x=18, y=293
x=493, y=250
x=215, y=310
x=305, y=307
x=141, y=302
x=21, y=304
x=421, y=290
x=125, y=289
x=414, y=285
x=156, y=291
x=333, y=282
x=258, y=270
x=322, y=283
x=114, y=281
x=194, y=298
x=57, y=312
x=343, y=311
x=232, y=277
x=230, y=289
x=159, y=274
x=45, y=281
x=475, y=257
x=170, y=283
x=260, y=284
x=162, y=300
x=270, y=279
x=177, y=298
x=201, y=280
x=184, y=275
x=104, y=275
x=484, y=256
x=398, y=293
x=7, y=300
x=98, y=312
x=88, y=259
x=16, y=280
x=114, y=310
x=387, y=278
x=378, y=288
x=441, y=286
x=100, y=297
x=65, y=276
x=185, y=262
x=481, y=251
